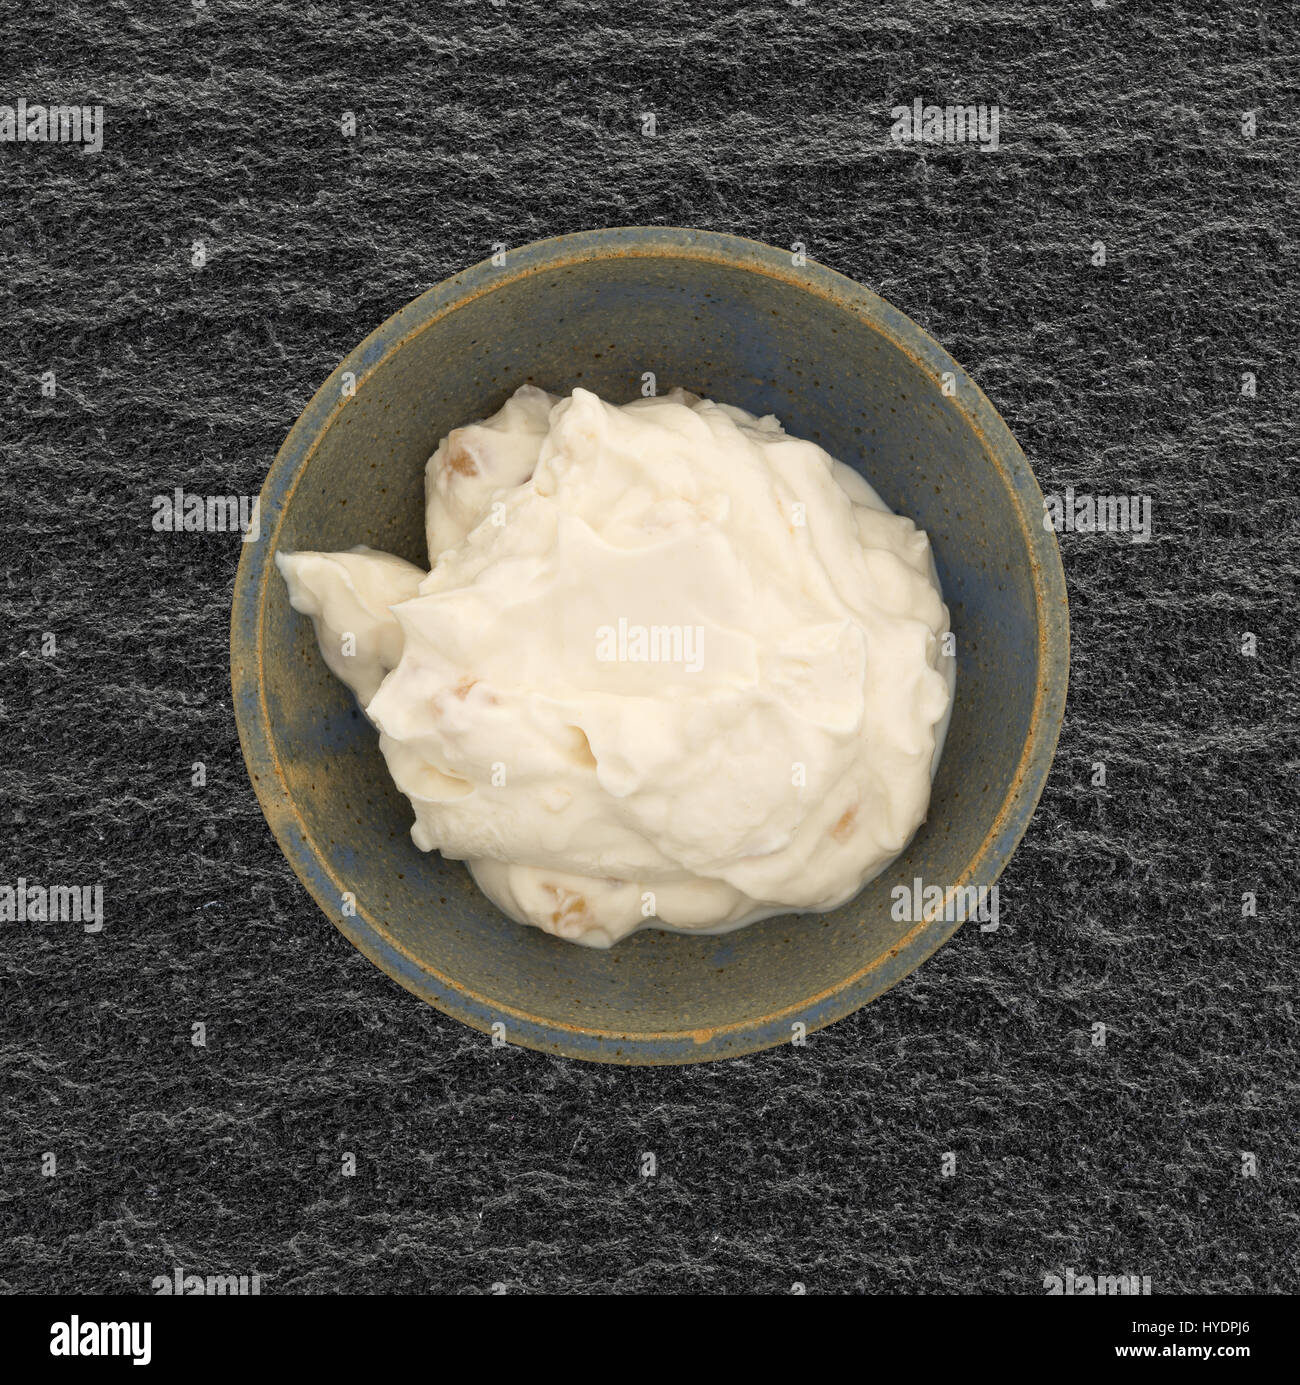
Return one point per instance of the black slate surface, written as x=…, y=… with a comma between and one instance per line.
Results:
x=509, y=121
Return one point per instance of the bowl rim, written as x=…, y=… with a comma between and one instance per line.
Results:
x=256, y=564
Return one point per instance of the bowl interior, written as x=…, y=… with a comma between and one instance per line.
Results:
x=737, y=334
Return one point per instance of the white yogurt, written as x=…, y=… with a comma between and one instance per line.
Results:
x=672, y=667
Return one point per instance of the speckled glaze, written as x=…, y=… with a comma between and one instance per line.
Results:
x=736, y=321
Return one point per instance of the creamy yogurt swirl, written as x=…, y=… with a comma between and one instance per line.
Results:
x=671, y=667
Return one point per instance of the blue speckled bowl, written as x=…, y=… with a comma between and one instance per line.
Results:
x=739, y=322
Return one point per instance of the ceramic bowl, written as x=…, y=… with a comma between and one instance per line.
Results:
x=735, y=321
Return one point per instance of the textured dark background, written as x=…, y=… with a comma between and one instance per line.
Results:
x=505, y=121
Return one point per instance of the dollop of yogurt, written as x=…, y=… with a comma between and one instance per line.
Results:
x=671, y=667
